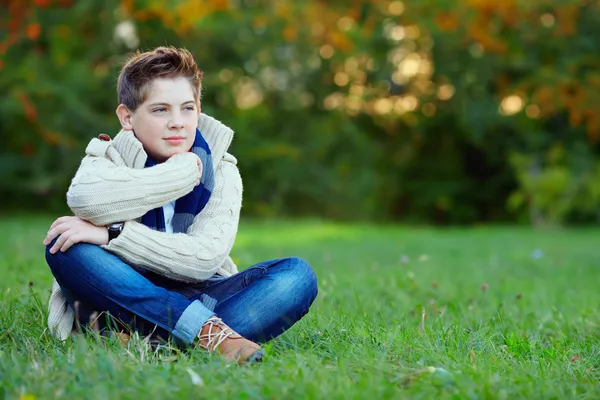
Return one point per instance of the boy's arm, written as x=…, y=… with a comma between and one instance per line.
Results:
x=103, y=193
x=196, y=255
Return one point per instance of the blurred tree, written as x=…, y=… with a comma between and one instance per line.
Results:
x=445, y=111
x=55, y=69
x=525, y=86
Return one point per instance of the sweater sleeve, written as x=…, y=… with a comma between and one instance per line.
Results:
x=197, y=254
x=102, y=192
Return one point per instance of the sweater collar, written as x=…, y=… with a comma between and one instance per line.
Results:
x=217, y=135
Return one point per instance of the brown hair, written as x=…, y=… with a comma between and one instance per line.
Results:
x=162, y=62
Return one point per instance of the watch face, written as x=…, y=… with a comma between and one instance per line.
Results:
x=114, y=230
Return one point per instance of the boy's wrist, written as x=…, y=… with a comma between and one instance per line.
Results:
x=114, y=230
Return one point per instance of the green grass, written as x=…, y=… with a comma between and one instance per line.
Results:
x=534, y=333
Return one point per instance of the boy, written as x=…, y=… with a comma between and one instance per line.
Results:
x=156, y=215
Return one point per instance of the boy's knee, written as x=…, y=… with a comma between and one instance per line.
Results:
x=49, y=256
x=303, y=275
x=76, y=251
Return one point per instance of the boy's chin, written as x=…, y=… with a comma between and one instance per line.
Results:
x=175, y=152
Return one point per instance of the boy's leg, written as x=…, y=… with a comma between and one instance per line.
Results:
x=104, y=282
x=266, y=299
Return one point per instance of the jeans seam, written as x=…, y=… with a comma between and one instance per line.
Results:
x=245, y=279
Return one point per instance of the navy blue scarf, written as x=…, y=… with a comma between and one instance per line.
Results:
x=188, y=206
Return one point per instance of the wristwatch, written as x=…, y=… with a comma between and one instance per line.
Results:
x=114, y=230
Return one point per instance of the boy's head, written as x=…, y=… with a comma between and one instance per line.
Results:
x=159, y=100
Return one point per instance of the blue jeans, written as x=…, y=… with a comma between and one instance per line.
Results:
x=259, y=303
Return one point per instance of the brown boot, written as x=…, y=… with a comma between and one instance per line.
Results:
x=217, y=336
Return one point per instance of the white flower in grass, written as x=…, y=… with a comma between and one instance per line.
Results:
x=196, y=379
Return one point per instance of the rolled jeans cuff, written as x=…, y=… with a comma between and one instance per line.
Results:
x=190, y=323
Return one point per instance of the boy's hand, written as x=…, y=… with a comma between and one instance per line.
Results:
x=74, y=230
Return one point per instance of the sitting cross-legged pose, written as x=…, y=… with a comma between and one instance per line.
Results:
x=156, y=213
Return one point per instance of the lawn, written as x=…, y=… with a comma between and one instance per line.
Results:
x=402, y=313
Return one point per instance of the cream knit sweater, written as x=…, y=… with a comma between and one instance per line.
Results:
x=112, y=185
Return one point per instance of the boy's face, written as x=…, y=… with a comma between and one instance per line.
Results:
x=166, y=121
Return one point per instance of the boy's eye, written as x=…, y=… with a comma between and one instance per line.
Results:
x=190, y=108
x=159, y=109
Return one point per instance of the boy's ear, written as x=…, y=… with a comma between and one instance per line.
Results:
x=124, y=117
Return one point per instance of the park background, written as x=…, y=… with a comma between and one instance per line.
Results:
x=444, y=112
x=437, y=163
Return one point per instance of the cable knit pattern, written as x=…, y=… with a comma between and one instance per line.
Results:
x=104, y=193
x=111, y=185
x=198, y=254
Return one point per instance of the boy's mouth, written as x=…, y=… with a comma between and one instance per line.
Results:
x=175, y=140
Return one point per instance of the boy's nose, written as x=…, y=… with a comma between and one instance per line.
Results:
x=175, y=125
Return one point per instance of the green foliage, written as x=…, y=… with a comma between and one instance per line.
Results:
x=527, y=85
x=433, y=111
x=508, y=313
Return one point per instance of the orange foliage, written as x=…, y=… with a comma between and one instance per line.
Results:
x=354, y=13
x=186, y=14
x=13, y=38
x=566, y=16
x=503, y=83
x=341, y=41
x=482, y=5
x=576, y=100
x=576, y=116
x=41, y=3
x=16, y=13
x=545, y=97
x=508, y=12
x=573, y=97
x=447, y=21
x=328, y=18
x=50, y=137
x=221, y=5
x=479, y=30
x=33, y=31
x=182, y=18
x=593, y=79
x=487, y=12
x=571, y=94
x=260, y=22
x=290, y=33
x=28, y=106
x=127, y=7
